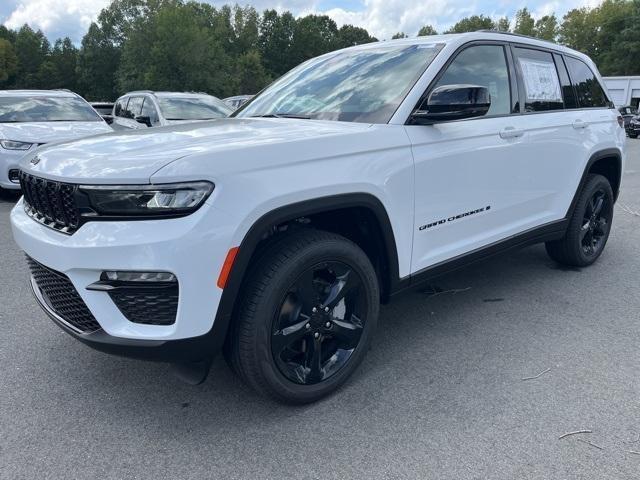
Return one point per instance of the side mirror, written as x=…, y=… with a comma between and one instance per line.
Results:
x=144, y=119
x=453, y=102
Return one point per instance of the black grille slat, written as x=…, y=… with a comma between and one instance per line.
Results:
x=62, y=297
x=51, y=203
x=148, y=306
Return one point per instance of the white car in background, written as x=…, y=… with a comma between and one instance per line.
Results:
x=29, y=118
x=145, y=108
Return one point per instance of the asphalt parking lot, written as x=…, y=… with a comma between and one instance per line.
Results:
x=440, y=396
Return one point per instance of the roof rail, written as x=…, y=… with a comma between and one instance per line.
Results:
x=487, y=30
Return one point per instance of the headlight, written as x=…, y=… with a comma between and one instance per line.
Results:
x=175, y=199
x=15, y=145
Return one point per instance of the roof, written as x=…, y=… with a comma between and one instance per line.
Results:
x=168, y=94
x=40, y=93
x=457, y=39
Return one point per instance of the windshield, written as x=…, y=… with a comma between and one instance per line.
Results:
x=193, y=108
x=361, y=85
x=46, y=109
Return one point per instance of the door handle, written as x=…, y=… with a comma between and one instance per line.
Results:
x=511, y=132
x=580, y=124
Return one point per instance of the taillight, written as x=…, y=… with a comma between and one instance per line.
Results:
x=620, y=121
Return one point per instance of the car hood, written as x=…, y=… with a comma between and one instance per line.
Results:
x=47, y=132
x=134, y=156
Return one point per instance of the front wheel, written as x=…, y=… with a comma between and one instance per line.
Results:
x=309, y=311
x=589, y=226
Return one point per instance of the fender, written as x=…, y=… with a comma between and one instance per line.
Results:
x=599, y=155
x=218, y=332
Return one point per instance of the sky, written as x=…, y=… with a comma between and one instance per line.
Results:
x=382, y=18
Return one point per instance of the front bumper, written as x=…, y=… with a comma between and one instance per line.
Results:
x=193, y=248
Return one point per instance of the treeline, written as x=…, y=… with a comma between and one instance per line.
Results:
x=177, y=45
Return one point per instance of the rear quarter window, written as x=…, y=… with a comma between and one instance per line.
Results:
x=588, y=90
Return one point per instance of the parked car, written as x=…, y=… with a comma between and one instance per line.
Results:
x=155, y=109
x=236, y=102
x=105, y=109
x=29, y=118
x=275, y=234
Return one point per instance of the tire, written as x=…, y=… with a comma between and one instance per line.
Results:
x=633, y=135
x=589, y=226
x=278, y=344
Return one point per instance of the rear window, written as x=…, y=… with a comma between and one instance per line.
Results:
x=46, y=109
x=588, y=89
x=541, y=82
x=193, y=108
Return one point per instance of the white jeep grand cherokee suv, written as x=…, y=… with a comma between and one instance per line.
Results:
x=274, y=235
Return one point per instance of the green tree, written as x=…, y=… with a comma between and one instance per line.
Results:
x=399, y=35
x=174, y=49
x=250, y=73
x=276, y=41
x=98, y=61
x=63, y=58
x=31, y=51
x=348, y=36
x=547, y=28
x=525, y=25
x=579, y=30
x=617, y=38
x=473, y=24
x=313, y=36
x=427, y=30
x=503, y=24
x=8, y=61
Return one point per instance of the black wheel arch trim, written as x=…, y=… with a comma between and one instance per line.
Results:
x=291, y=212
x=597, y=156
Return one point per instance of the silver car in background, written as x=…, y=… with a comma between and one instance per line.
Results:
x=29, y=118
x=145, y=108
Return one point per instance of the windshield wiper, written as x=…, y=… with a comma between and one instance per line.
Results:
x=281, y=115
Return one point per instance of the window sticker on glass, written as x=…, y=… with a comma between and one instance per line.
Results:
x=541, y=80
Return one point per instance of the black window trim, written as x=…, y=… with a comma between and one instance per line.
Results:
x=516, y=100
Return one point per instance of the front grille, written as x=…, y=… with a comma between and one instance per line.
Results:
x=62, y=298
x=148, y=306
x=50, y=203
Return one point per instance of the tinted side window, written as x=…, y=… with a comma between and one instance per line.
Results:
x=149, y=110
x=134, y=107
x=121, y=107
x=568, y=93
x=590, y=93
x=540, y=78
x=486, y=66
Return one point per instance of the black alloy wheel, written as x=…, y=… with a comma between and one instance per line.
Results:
x=308, y=313
x=595, y=223
x=589, y=225
x=319, y=324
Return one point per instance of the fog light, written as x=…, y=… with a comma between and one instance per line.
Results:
x=14, y=175
x=120, y=276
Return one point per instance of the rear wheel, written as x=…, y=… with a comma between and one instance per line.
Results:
x=307, y=318
x=589, y=227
